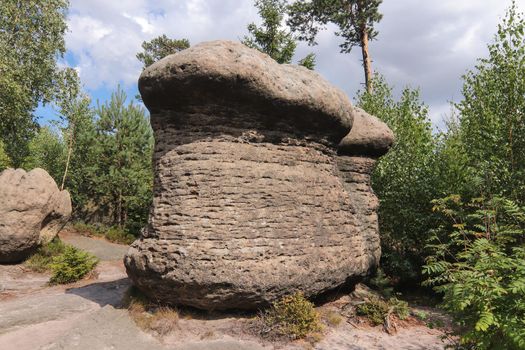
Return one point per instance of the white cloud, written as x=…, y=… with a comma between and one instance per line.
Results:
x=426, y=44
x=144, y=24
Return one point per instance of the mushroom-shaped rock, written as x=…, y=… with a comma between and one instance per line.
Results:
x=249, y=204
x=32, y=212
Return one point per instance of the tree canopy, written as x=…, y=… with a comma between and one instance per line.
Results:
x=160, y=47
x=31, y=40
x=271, y=38
x=355, y=20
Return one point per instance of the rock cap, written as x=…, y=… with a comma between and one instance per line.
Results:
x=369, y=136
x=230, y=74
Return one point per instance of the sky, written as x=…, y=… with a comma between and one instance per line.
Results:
x=425, y=44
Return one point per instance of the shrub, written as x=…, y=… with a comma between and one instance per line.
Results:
x=72, y=265
x=293, y=317
x=477, y=264
x=41, y=260
x=378, y=310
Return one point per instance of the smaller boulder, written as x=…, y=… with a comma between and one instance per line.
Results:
x=32, y=212
x=369, y=137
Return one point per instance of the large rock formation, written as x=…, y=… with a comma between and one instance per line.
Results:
x=32, y=211
x=249, y=203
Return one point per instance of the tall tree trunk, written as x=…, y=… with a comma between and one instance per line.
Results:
x=69, y=152
x=367, y=65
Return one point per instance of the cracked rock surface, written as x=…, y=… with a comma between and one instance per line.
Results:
x=252, y=200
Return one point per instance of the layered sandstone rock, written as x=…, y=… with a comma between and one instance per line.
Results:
x=369, y=139
x=32, y=212
x=249, y=203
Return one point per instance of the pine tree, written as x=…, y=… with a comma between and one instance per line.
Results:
x=160, y=47
x=355, y=19
x=125, y=143
x=271, y=38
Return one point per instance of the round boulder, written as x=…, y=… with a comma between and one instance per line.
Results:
x=32, y=212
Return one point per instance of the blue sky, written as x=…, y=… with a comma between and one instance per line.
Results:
x=423, y=44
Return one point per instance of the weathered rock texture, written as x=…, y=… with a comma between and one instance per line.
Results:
x=249, y=202
x=32, y=212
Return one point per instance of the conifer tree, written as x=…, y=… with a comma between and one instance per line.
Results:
x=125, y=142
x=354, y=18
x=160, y=47
x=271, y=38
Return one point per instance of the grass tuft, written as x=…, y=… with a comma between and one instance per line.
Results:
x=150, y=316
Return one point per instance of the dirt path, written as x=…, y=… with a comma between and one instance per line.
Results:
x=87, y=315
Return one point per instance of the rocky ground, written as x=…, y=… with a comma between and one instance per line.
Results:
x=89, y=315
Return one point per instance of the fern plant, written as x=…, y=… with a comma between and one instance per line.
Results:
x=478, y=264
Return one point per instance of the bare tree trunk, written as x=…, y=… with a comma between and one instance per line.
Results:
x=69, y=152
x=367, y=64
x=119, y=209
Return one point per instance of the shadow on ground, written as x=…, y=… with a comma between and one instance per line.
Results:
x=103, y=293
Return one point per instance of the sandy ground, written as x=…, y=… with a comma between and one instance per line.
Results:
x=88, y=315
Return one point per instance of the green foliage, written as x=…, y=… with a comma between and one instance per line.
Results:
x=355, y=20
x=5, y=161
x=308, y=61
x=160, y=47
x=375, y=310
x=41, y=260
x=477, y=264
x=71, y=266
x=112, y=234
x=124, y=147
x=293, y=316
x=378, y=310
x=110, y=173
x=118, y=235
x=309, y=17
x=382, y=283
x=278, y=43
x=491, y=123
x=46, y=151
x=405, y=179
x=31, y=42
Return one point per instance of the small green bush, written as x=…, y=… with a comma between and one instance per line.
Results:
x=293, y=316
x=400, y=308
x=377, y=310
x=41, y=260
x=72, y=265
